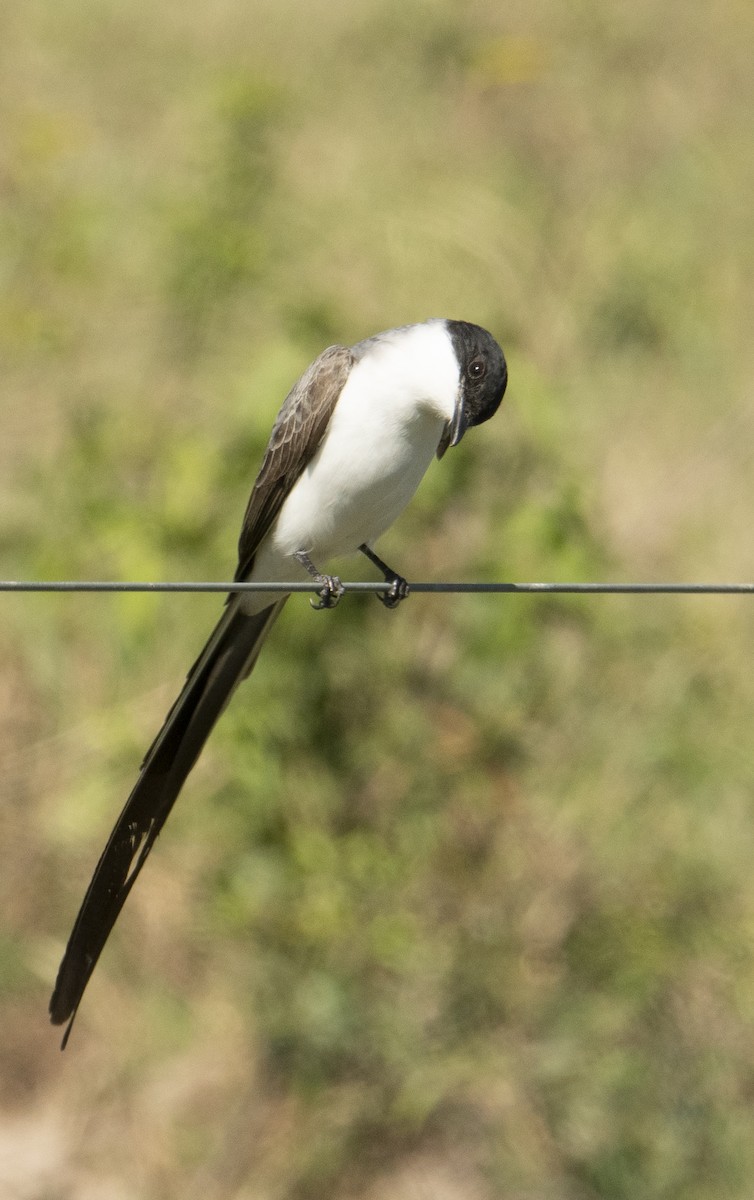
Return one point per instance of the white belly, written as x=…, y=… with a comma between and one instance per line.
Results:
x=382, y=436
x=354, y=489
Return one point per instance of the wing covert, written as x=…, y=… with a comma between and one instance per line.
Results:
x=298, y=430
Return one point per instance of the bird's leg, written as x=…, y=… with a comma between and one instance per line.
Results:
x=398, y=589
x=331, y=590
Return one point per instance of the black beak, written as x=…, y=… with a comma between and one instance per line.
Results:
x=454, y=430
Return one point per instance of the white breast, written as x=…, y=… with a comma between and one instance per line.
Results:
x=382, y=437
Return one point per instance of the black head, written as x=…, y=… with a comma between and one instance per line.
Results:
x=483, y=376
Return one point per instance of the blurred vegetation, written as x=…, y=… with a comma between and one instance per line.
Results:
x=461, y=908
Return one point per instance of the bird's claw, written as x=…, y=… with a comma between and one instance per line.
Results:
x=398, y=590
x=330, y=592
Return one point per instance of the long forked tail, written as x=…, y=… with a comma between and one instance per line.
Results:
x=227, y=658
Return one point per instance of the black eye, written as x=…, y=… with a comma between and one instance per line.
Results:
x=476, y=369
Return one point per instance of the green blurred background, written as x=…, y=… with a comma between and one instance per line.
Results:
x=463, y=907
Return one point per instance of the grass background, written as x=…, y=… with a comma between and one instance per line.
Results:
x=464, y=908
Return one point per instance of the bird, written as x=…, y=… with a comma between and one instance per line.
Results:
x=347, y=451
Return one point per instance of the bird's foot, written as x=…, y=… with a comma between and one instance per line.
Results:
x=397, y=591
x=330, y=592
x=330, y=587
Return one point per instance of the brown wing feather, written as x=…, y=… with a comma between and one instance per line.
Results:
x=296, y=434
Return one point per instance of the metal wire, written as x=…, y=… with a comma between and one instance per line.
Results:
x=95, y=585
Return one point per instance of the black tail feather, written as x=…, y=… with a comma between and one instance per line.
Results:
x=227, y=658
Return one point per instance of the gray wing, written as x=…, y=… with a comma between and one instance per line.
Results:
x=295, y=437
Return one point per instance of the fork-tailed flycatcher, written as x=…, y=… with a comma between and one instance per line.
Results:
x=346, y=454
